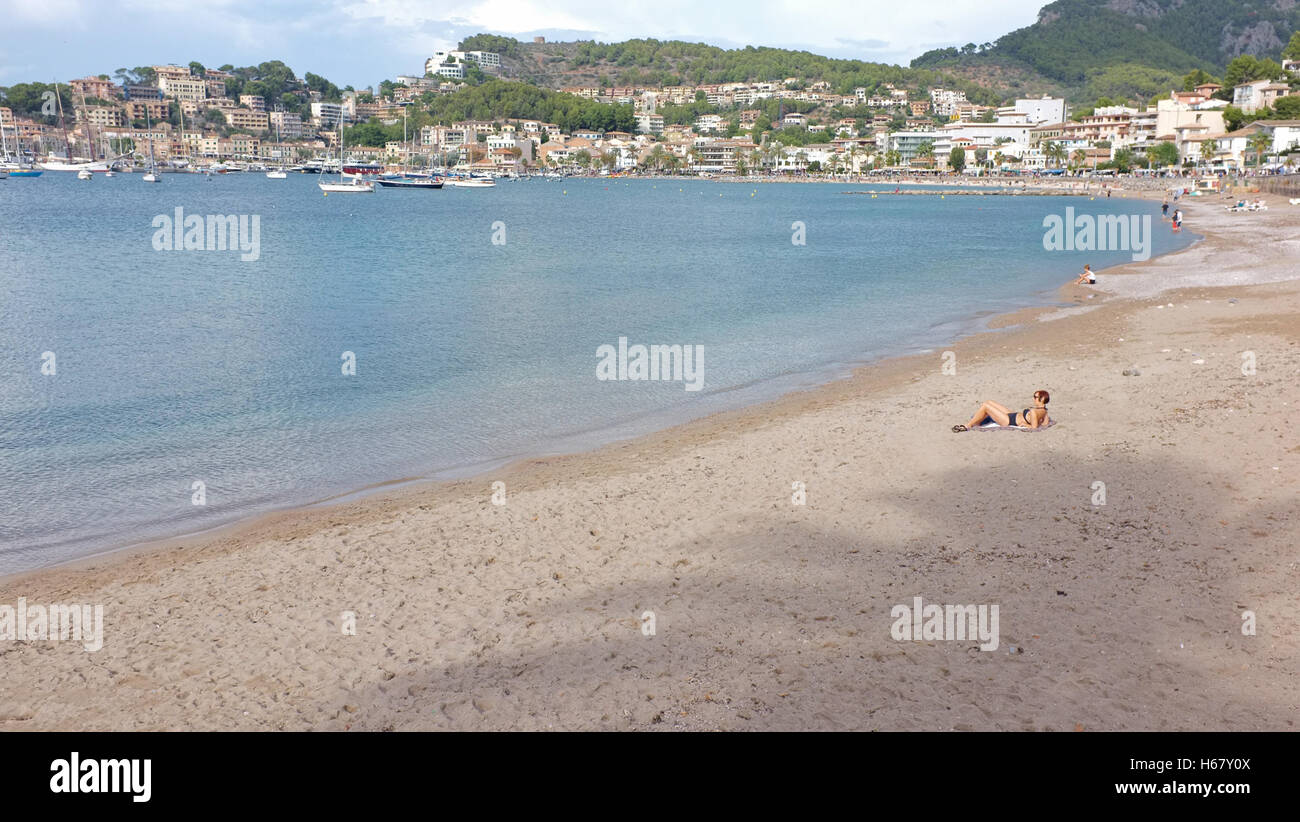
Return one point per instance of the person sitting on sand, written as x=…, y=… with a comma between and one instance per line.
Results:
x=1035, y=417
x=1088, y=276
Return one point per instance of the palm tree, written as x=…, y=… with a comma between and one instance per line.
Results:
x=1055, y=152
x=656, y=157
x=1079, y=157
x=1259, y=143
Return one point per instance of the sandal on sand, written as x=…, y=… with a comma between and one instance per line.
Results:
x=957, y=429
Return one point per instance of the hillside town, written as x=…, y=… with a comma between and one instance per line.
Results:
x=187, y=117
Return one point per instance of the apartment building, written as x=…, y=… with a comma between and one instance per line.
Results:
x=140, y=91
x=254, y=102
x=247, y=119
x=454, y=71
x=288, y=124
x=182, y=88
x=945, y=101
x=649, y=124
x=1172, y=115
x=1251, y=97
x=908, y=143
x=94, y=87
x=1042, y=109
x=328, y=115
x=216, y=81
x=101, y=116
x=720, y=156
x=155, y=110
x=709, y=122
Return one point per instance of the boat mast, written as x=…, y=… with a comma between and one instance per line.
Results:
x=63, y=125
x=90, y=132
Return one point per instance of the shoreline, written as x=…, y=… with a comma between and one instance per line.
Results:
x=1054, y=301
x=770, y=615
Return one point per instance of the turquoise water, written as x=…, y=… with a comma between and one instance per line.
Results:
x=176, y=367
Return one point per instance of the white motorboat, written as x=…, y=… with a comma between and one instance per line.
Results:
x=85, y=174
x=354, y=187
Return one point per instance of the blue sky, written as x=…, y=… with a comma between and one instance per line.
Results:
x=360, y=42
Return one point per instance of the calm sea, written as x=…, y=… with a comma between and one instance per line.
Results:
x=175, y=368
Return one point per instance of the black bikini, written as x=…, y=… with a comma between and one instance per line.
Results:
x=1024, y=417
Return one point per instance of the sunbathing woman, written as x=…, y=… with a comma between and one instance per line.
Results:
x=1035, y=417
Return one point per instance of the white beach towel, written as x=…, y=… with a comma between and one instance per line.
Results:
x=990, y=425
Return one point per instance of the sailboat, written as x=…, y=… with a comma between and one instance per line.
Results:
x=11, y=165
x=278, y=173
x=357, y=186
x=93, y=165
x=152, y=176
x=406, y=179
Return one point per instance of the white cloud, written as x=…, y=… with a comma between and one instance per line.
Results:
x=359, y=41
x=830, y=24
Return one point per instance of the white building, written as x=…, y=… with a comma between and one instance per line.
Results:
x=1043, y=109
x=1251, y=97
x=709, y=122
x=485, y=59
x=944, y=102
x=327, y=114
x=455, y=71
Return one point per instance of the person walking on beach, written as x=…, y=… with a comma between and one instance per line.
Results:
x=1088, y=276
x=1178, y=219
x=1164, y=208
x=1035, y=417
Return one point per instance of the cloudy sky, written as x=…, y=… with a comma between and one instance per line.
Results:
x=360, y=42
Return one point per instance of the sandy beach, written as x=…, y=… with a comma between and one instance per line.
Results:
x=771, y=615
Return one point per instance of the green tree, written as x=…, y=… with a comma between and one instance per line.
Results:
x=196, y=68
x=1287, y=108
x=1165, y=154
x=957, y=159
x=1292, y=50
x=1260, y=144
x=1054, y=152
x=1197, y=77
x=1234, y=118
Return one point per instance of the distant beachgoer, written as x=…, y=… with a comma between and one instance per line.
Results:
x=1035, y=417
x=1178, y=218
x=1088, y=276
x=1108, y=194
x=1164, y=208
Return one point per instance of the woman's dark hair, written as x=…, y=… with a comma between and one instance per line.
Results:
x=1043, y=395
